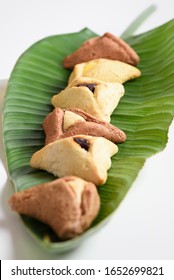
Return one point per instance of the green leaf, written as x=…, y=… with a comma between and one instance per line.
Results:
x=144, y=113
x=131, y=29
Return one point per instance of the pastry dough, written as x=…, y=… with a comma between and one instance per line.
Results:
x=106, y=70
x=107, y=46
x=62, y=123
x=84, y=156
x=99, y=100
x=68, y=205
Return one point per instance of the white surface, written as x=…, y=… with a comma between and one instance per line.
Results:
x=143, y=226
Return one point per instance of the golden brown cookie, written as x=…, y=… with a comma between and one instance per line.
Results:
x=84, y=156
x=70, y=122
x=107, y=46
x=68, y=205
x=90, y=95
x=106, y=70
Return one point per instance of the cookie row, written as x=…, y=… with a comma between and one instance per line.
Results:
x=80, y=141
x=96, y=87
x=65, y=157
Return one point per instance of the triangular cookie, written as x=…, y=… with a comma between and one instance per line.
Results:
x=107, y=46
x=68, y=205
x=90, y=95
x=70, y=122
x=106, y=70
x=84, y=156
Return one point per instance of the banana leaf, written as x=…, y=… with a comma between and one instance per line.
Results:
x=144, y=113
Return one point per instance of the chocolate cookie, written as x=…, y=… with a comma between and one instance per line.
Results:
x=68, y=205
x=70, y=122
x=107, y=46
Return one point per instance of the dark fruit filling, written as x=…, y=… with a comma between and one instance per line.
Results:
x=90, y=86
x=84, y=143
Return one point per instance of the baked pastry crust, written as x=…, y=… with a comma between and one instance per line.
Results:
x=68, y=205
x=100, y=103
x=69, y=156
x=107, y=46
x=62, y=123
x=106, y=70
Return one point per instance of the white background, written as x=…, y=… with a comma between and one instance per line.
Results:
x=143, y=226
